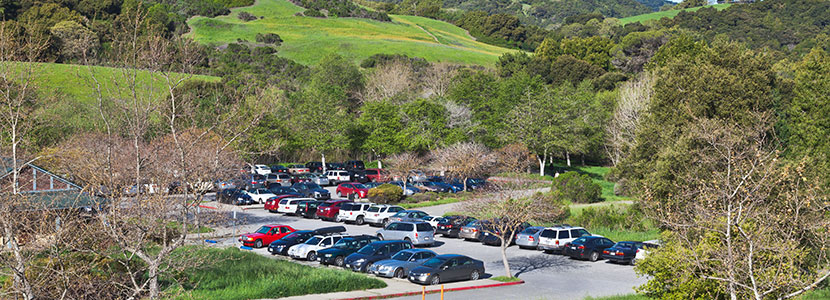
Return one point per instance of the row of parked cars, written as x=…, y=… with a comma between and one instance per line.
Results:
x=383, y=255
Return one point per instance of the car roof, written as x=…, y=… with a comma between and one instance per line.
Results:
x=448, y=256
x=276, y=225
x=411, y=222
x=412, y=210
x=416, y=250
x=560, y=227
x=389, y=242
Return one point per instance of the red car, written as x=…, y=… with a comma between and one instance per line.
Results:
x=377, y=175
x=273, y=203
x=347, y=188
x=329, y=209
x=265, y=235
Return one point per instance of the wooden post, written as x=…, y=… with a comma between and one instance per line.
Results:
x=442, y=292
x=423, y=293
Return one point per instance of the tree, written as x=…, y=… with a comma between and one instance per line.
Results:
x=595, y=50
x=401, y=164
x=809, y=111
x=464, y=160
x=74, y=40
x=567, y=68
x=690, y=3
x=438, y=78
x=534, y=125
x=750, y=225
x=634, y=99
x=379, y=124
x=505, y=212
x=389, y=80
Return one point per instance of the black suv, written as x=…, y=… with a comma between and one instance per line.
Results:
x=314, y=167
x=355, y=165
x=358, y=176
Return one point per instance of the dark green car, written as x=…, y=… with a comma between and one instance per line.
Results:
x=337, y=254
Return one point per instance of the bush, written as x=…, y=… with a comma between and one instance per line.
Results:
x=313, y=13
x=576, y=188
x=385, y=194
x=422, y=197
x=269, y=38
x=246, y=16
x=629, y=218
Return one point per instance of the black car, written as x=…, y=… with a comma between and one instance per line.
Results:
x=361, y=260
x=335, y=166
x=285, y=190
x=336, y=255
x=587, y=247
x=235, y=197
x=626, y=252
x=358, y=176
x=450, y=226
x=297, y=237
x=312, y=190
x=445, y=268
x=308, y=208
x=279, y=169
x=315, y=166
x=491, y=239
x=355, y=165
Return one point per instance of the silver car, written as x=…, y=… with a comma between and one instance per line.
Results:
x=401, y=263
x=320, y=180
x=417, y=233
x=529, y=238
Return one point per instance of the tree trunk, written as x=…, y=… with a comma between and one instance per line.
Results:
x=582, y=157
x=542, y=161
x=380, y=164
x=152, y=273
x=324, y=163
x=506, y=263
x=568, y=157
x=465, y=184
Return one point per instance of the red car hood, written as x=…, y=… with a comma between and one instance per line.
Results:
x=253, y=235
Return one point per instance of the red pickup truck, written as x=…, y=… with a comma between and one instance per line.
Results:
x=265, y=235
x=328, y=210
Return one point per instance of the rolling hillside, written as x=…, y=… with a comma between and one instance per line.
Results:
x=307, y=40
x=666, y=14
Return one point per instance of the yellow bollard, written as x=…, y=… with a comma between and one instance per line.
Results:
x=442, y=292
x=424, y=293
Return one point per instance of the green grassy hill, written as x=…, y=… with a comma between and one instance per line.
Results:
x=307, y=40
x=73, y=87
x=667, y=14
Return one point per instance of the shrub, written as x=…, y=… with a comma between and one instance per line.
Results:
x=385, y=194
x=246, y=16
x=576, y=188
x=269, y=38
x=629, y=218
x=314, y=13
x=423, y=197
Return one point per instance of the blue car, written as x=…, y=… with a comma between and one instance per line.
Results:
x=364, y=258
x=623, y=252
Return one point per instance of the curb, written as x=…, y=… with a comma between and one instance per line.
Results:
x=436, y=291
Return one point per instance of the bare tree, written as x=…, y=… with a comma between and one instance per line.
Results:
x=437, y=79
x=401, y=164
x=514, y=158
x=464, y=160
x=505, y=212
x=632, y=106
x=743, y=213
x=390, y=80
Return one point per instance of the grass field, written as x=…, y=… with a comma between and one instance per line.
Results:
x=73, y=87
x=246, y=275
x=307, y=39
x=597, y=174
x=666, y=14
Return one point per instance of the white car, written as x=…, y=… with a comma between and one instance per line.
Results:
x=432, y=221
x=648, y=246
x=308, y=250
x=353, y=213
x=261, y=169
x=289, y=205
x=554, y=238
x=260, y=195
x=379, y=214
x=338, y=176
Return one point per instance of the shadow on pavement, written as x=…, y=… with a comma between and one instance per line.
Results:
x=526, y=264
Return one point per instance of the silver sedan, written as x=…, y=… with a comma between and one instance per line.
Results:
x=401, y=263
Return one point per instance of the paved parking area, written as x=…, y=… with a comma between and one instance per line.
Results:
x=547, y=276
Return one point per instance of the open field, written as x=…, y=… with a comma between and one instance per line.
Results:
x=307, y=39
x=666, y=14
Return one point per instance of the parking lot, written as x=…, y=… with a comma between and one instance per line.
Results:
x=547, y=276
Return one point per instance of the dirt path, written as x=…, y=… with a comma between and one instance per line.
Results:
x=427, y=32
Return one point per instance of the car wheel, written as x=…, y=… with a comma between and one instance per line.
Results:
x=339, y=194
x=366, y=268
x=359, y=220
x=435, y=280
x=338, y=261
x=385, y=222
x=633, y=261
x=407, y=240
x=399, y=273
x=474, y=275
x=380, y=236
x=312, y=256
x=258, y=244
x=594, y=256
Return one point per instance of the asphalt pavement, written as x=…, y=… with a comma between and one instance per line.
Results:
x=546, y=276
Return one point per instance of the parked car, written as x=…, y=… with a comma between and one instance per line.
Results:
x=337, y=176
x=279, y=169
x=455, y=185
x=379, y=214
x=354, y=165
x=628, y=252
x=337, y=254
x=417, y=233
x=450, y=226
x=529, y=237
x=319, y=179
x=314, y=167
x=408, y=216
x=371, y=185
x=432, y=220
x=417, y=175
x=297, y=169
x=476, y=183
x=265, y=235
x=348, y=188
x=336, y=166
x=273, y=204
x=552, y=239
x=364, y=258
x=587, y=247
x=328, y=210
x=295, y=178
x=401, y=263
x=253, y=181
x=285, y=190
x=472, y=231
x=492, y=233
x=358, y=176
x=281, y=246
x=236, y=197
x=312, y=190
x=377, y=175
x=437, y=187
x=288, y=206
x=353, y=213
x=260, y=169
x=308, y=209
x=409, y=190
x=260, y=195
x=445, y=268
x=220, y=185
x=308, y=249
x=279, y=179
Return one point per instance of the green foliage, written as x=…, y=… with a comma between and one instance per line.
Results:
x=567, y=68
x=546, y=13
x=339, y=8
x=670, y=12
x=807, y=121
x=379, y=126
x=385, y=194
x=423, y=197
x=689, y=4
x=505, y=279
x=269, y=38
x=595, y=50
x=613, y=217
x=575, y=188
x=246, y=275
x=246, y=16
x=670, y=278
x=452, y=199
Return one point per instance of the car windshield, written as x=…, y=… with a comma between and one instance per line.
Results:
x=624, y=245
x=314, y=240
x=374, y=209
x=347, y=244
x=359, y=186
x=581, y=240
x=434, y=262
x=402, y=256
x=530, y=230
x=263, y=229
x=292, y=235
x=369, y=249
x=472, y=223
x=400, y=214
